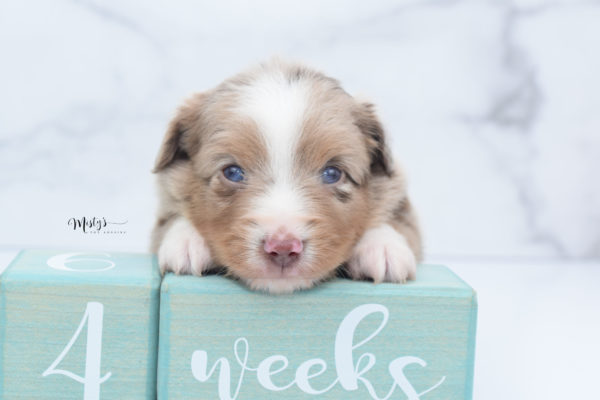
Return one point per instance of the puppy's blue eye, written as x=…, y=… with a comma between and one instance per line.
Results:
x=331, y=175
x=234, y=173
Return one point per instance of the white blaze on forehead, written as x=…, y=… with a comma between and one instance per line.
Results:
x=278, y=106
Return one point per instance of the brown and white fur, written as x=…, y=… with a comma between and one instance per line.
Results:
x=282, y=228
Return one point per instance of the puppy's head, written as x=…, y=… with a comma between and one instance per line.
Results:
x=273, y=168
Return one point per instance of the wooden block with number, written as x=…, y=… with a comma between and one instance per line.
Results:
x=341, y=340
x=79, y=326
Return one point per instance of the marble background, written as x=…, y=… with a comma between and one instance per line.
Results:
x=492, y=106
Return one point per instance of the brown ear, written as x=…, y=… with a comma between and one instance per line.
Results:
x=369, y=124
x=178, y=143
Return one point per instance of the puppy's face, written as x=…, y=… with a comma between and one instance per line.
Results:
x=273, y=169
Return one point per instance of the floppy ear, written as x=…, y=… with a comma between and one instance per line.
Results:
x=178, y=143
x=369, y=124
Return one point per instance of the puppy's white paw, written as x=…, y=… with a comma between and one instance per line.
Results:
x=183, y=250
x=383, y=254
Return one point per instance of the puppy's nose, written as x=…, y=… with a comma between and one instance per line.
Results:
x=283, y=250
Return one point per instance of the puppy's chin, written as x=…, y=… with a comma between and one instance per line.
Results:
x=280, y=285
x=274, y=280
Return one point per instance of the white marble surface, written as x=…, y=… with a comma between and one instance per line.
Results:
x=537, y=331
x=492, y=106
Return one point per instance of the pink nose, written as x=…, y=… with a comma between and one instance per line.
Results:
x=283, y=250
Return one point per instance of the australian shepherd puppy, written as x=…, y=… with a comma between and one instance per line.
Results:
x=279, y=177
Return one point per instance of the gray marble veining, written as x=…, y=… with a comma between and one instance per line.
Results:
x=491, y=106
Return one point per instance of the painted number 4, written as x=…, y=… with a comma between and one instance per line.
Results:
x=92, y=380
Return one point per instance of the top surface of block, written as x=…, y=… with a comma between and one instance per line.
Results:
x=432, y=280
x=93, y=267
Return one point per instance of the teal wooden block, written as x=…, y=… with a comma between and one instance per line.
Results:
x=79, y=326
x=341, y=340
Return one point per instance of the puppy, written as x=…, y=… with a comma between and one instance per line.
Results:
x=280, y=177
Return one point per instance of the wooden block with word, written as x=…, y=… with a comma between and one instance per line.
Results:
x=79, y=325
x=340, y=340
